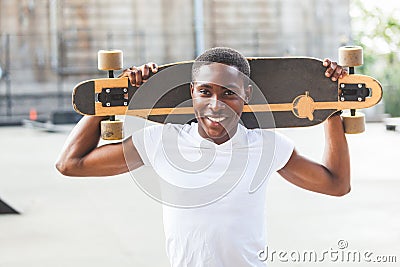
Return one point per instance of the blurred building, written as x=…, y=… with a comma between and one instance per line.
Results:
x=45, y=40
x=71, y=31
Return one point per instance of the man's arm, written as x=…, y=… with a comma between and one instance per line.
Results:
x=81, y=155
x=332, y=177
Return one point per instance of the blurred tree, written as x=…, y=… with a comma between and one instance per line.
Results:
x=378, y=32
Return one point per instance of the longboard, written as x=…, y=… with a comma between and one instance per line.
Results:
x=293, y=90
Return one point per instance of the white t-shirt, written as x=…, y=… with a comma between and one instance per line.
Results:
x=213, y=195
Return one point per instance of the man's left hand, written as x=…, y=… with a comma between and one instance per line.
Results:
x=333, y=70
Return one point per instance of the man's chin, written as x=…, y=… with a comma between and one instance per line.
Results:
x=215, y=130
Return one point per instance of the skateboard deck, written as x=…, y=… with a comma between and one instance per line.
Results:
x=293, y=90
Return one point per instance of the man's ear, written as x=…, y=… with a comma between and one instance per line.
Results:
x=191, y=89
x=248, y=92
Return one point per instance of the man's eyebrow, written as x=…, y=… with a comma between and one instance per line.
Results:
x=231, y=86
x=200, y=84
x=209, y=85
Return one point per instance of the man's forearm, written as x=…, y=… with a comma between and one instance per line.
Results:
x=336, y=156
x=83, y=139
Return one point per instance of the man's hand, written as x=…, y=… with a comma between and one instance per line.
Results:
x=139, y=75
x=81, y=155
x=333, y=70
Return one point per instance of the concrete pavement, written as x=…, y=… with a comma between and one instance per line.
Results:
x=110, y=222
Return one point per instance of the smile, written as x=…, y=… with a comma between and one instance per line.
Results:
x=216, y=119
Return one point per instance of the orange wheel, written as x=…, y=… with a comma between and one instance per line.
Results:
x=110, y=60
x=354, y=124
x=350, y=56
x=111, y=130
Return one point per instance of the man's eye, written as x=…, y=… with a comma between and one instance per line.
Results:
x=204, y=91
x=229, y=92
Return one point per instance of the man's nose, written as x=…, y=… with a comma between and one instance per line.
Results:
x=216, y=104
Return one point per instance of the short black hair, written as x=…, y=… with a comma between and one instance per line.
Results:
x=224, y=55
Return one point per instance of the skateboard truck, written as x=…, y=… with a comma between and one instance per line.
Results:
x=111, y=60
x=352, y=56
x=354, y=92
x=113, y=97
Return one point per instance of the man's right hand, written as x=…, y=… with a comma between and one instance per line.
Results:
x=81, y=155
x=139, y=75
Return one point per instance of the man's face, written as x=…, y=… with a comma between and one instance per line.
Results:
x=218, y=95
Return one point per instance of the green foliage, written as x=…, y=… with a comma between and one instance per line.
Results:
x=392, y=90
x=380, y=32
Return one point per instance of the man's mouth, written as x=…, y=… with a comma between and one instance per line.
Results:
x=215, y=119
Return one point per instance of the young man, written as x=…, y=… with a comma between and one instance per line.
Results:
x=225, y=223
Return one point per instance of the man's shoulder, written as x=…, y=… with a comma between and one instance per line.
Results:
x=258, y=133
x=265, y=136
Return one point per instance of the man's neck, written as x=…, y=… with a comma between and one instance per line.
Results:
x=220, y=140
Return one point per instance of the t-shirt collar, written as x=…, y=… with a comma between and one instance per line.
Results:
x=239, y=138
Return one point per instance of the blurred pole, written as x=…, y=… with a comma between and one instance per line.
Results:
x=60, y=68
x=141, y=37
x=198, y=26
x=7, y=77
x=256, y=38
x=109, y=40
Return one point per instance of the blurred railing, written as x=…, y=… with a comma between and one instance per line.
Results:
x=39, y=71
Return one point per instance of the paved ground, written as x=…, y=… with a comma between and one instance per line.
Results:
x=110, y=222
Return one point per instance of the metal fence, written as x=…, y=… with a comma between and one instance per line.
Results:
x=39, y=71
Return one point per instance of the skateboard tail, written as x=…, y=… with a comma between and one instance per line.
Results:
x=102, y=97
x=357, y=100
x=83, y=96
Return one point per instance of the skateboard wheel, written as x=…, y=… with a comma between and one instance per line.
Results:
x=354, y=124
x=350, y=56
x=111, y=130
x=109, y=60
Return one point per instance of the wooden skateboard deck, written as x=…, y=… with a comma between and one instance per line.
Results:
x=296, y=90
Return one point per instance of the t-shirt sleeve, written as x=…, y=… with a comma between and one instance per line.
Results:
x=283, y=150
x=146, y=142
